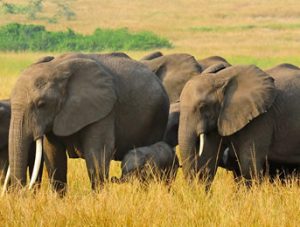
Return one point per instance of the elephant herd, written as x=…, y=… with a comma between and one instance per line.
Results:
x=103, y=107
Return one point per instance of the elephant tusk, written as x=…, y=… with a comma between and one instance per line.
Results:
x=37, y=161
x=6, y=182
x=225, y=155
x=201, y=146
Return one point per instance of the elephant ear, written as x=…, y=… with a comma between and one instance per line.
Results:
x=157, y=66
x=248, y=92
x=90, y=95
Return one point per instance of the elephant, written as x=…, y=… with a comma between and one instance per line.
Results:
x=152, y=55
x=228, y=160
x=158, y=161
x=98, y=105
x=253, y=112
x=175, y=70
x=5, y=113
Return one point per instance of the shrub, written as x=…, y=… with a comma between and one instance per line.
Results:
x=19, y=37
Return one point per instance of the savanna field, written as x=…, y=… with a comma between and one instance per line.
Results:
x=264, y=33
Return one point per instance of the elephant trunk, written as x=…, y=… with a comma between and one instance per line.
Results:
x=19, y=144
x=187, y=143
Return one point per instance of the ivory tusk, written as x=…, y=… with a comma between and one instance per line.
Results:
x=37, y=162
x=201, y=146
x=225, y=156
x=6, y=182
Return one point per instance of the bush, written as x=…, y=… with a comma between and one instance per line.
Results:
x=19, y=37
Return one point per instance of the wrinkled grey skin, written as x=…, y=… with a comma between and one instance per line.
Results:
x=212, y=60
x=152, y=55
x=97, y=105
x=175, y=70
x=157, y=161
x=242, y=107
x=5, y=113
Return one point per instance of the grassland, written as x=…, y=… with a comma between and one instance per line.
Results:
x=257, y=32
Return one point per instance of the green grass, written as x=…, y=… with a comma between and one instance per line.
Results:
x=19, y=37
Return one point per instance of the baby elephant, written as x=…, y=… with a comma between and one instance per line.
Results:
x=158, y=161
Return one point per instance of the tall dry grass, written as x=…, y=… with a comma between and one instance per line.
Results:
x=185, y=24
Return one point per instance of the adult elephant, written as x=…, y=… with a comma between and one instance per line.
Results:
x=99, y=105
x=5, y=113
x=240, y=106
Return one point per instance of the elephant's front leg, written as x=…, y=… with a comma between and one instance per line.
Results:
x=251, y=146
x=98, y=145
x=56, y=163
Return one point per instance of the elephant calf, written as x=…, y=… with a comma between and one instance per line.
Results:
x=158, y=161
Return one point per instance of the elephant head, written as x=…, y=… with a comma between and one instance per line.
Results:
x=59, y=95
x=217, y=105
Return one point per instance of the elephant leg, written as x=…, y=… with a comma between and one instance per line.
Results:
x=98, y=146
x=3, y=164
x=251, y=159
x=55, y=157
x=252, y=144
x=31, y=159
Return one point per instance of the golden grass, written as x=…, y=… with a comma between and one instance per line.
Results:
x=132, y=205
x=185, y=205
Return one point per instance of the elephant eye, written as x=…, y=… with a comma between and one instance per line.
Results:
x=41, y=103
x=202, y=107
